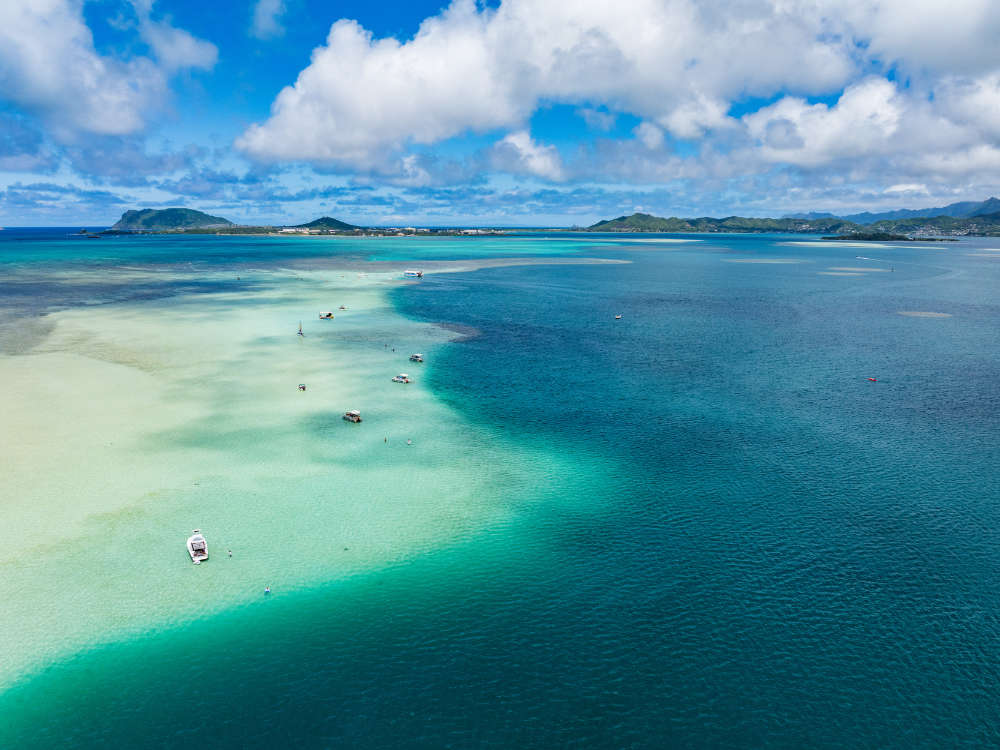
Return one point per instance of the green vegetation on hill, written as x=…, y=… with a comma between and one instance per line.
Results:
x=149, y=219
x=325, y=222
x=647, y=223
x=873, y=237
x=979, y=225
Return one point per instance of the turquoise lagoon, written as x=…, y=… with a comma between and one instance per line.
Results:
x=698, y=526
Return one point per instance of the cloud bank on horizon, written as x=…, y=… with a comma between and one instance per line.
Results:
x=496, y=112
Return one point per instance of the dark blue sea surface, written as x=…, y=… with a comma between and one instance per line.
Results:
x=754, y=546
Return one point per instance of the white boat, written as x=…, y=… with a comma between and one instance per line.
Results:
x=412, y=273
x=618, y=317
x=326, y=315
x=416, y=357
x=401, y=378
x=352, y=416
x=197, y=547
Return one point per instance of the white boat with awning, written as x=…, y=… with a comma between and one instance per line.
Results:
x=197, y=547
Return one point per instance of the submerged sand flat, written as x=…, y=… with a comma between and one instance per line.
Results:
x=860, y=269
x=833, y=243
x=128, y=425
x=765, y=261
x=923, y=314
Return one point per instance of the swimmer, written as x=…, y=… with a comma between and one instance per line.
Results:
x=267, y=589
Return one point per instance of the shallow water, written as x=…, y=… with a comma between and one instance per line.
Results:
x=699, y=525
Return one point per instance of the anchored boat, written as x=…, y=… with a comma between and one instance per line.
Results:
x=402, y=378
x=352, y=416
x=416, y=357
x=197, y=547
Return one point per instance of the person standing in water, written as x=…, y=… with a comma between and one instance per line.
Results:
x=267, y=589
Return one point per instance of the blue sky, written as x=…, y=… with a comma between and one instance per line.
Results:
x=521, y=112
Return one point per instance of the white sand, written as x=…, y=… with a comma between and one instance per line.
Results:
x=132, y=424
x=864, y=269
x=766, y=261
x=833, y=243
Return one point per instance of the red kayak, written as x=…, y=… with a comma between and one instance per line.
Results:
x=873, y=380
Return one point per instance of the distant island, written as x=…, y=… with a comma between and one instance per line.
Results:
x=904, y=227
x=190, y=221
x=960, y=210
x=885, y=237
x=152, y=220
x=325, y=222
x=648, y=223
x=956, y=220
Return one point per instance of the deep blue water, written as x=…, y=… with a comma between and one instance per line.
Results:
x=760, y=547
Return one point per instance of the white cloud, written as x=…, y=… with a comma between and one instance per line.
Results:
x=677, y=65
x=50, y=68
x=518, y=153
x=476, y=69
x=597, y=119
x=907, y=188
x=864, y=119
x=176, y=48
x=267, y=19
x=649, y=135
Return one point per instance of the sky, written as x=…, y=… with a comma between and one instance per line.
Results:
x=510, y=113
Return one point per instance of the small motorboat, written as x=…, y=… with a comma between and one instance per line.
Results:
x=402, y=378
x=327, y=315
x=339, y=308
x=416, y=357
x=302, y=386
x=197, y=547
x=412, y=273
x=352, y=416
x=618, y=317
x=873, y=380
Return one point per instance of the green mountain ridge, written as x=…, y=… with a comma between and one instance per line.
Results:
x=150, y=219
x=979, y=225
x=325, y=222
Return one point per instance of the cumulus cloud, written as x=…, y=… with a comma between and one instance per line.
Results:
x=676, y=63
x=266, y=22
x=363, y=103
x=175, y=48
x=793, y=131
x=597, y=119
x=518, y=153
x=50, y=68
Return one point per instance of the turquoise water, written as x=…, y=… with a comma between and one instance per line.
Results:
x=740, y=540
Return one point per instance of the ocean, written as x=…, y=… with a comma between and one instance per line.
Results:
x=758, y=510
